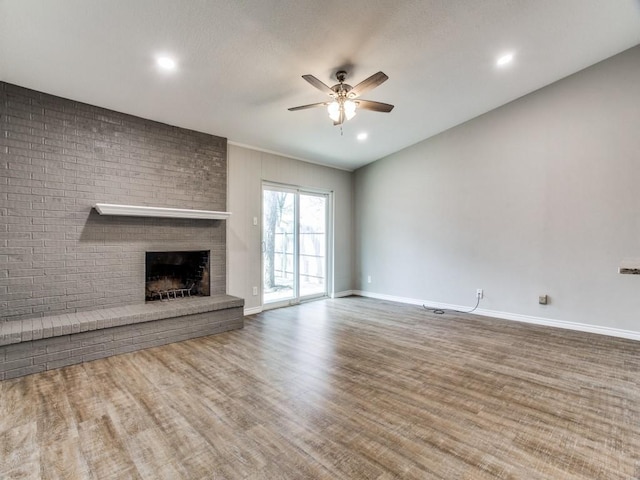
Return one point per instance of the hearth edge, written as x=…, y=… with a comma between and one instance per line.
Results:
x=54, y=326
x=46, y=343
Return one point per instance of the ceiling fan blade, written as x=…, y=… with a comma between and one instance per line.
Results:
x=364, y=86
x=340, y=120
x=375, y=106
x=311, y=105
x=318, y=84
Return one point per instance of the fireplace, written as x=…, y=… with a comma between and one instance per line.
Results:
x=175, y=275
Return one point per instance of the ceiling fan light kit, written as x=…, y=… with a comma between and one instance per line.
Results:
x=346, y=108
x=344, y=104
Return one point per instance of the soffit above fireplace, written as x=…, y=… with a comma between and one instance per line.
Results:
x=142, y=211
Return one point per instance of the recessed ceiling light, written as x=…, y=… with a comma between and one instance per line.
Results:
x=166, y=63
x=504, y=60
x=362, y=136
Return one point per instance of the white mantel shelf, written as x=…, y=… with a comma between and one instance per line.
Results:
x=141, y=211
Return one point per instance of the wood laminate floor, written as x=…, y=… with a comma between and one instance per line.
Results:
x=350, y=388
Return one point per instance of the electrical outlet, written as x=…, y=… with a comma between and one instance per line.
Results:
x=368, y=278
x=479, y=293
x=255, y=290
x=543, y=299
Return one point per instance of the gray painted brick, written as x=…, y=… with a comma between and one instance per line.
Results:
x=126, y=349
x=51, y=357
x=98, y=355
x=21, y=372
x=47, y=327
x=56, y=324
x=60, y=257
x=61, y=347
x=56, y=352
x=58, y=169
x=27, y=330
x=116, y=344
x=23, y=350
x=14, y=364
x=64, y=362
x=82, y=351
x=97, y=337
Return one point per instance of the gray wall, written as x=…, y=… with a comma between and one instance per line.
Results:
x=540, y=196
x=58, y=158
x=247, y=170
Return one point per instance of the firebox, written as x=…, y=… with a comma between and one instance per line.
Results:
x=174, y=275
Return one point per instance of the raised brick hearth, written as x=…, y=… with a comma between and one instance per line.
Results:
x=39, y=344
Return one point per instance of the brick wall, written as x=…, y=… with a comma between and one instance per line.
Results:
x=59, y=157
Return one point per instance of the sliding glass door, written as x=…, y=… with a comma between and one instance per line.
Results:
x=278, y=245
x=295, y=247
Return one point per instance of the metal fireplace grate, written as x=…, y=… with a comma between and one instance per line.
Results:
x=174, y=275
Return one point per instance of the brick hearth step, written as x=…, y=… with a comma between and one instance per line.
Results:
x=39, y=344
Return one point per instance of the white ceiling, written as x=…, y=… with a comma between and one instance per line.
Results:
x=240, y=62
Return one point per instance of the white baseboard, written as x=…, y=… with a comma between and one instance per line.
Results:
x=252, y=311
x=549, y=322
x=392, y=298
x=255, y=310
x=345, y=293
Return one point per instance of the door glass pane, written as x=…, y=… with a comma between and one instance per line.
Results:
x=279, y=245
x=313, y=244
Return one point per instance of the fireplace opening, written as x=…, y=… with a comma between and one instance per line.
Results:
x=174, y=275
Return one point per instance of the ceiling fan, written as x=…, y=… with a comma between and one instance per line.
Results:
x=345, y=97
